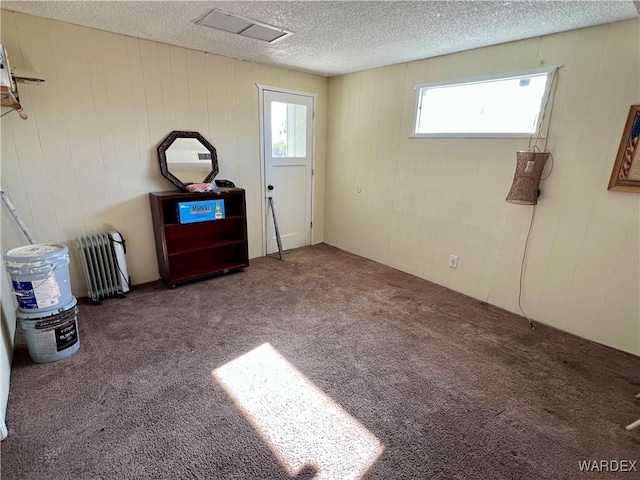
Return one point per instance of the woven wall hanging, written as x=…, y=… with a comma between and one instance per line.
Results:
x=526, y=179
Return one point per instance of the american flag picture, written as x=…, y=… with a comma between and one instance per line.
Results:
x=632, y=144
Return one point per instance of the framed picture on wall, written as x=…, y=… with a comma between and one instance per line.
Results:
x=625, y=176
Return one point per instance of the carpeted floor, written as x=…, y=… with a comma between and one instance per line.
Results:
x=451, y=387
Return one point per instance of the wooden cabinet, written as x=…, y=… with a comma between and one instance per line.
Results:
x=189, y=251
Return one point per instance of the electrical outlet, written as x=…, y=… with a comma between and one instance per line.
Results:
x=453, y=261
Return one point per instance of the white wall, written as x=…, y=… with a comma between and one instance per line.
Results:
x=7, y=333
x=86, y=158
x=424, y=199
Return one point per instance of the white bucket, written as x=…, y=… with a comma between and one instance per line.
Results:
x=40, y=276
x=52, y=335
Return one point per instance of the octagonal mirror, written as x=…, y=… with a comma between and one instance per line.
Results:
x=187, y=157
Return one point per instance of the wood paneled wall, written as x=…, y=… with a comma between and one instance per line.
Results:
x=423, y=199
x=86, y=158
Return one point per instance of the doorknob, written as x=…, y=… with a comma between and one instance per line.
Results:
x=269, y=187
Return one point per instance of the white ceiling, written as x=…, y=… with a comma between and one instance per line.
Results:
x=336, y=37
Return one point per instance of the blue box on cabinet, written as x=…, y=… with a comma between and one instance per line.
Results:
x=200, y=211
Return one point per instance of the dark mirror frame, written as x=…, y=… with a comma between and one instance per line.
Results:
x=162, y=155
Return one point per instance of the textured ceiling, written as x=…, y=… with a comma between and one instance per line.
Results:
x=333, y=37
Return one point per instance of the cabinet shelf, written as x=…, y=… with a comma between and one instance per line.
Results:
x=228, y=218
x=206, y=271
x=202, y=249
x=205, y=245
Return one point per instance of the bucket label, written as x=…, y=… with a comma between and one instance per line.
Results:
x=54, y=340
x=24, y=294
x=45, y=293
x=66, y=335
x=46, y=342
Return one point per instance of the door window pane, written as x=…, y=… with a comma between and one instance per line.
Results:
x=288, y=130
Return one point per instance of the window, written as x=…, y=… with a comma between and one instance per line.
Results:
x=288, y=130
x=505, y=105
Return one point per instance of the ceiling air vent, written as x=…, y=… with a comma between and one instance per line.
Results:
x=242, y=26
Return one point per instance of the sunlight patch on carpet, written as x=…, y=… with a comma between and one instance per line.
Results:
x=302, y=426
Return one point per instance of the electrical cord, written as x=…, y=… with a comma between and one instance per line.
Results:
x=524, y=257
x=124, y=247
x=551, y=94
x=533, y=146
x=550, y=168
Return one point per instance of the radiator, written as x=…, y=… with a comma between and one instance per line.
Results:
x=104, y=265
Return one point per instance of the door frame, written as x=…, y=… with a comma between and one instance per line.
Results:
x=263, y=166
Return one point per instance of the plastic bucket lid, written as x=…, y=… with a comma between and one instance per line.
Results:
x=29, y=316
x=34, y=256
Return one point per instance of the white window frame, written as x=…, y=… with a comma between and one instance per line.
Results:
x=485, y=78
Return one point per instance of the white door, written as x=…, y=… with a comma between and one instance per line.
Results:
x=288, y=161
